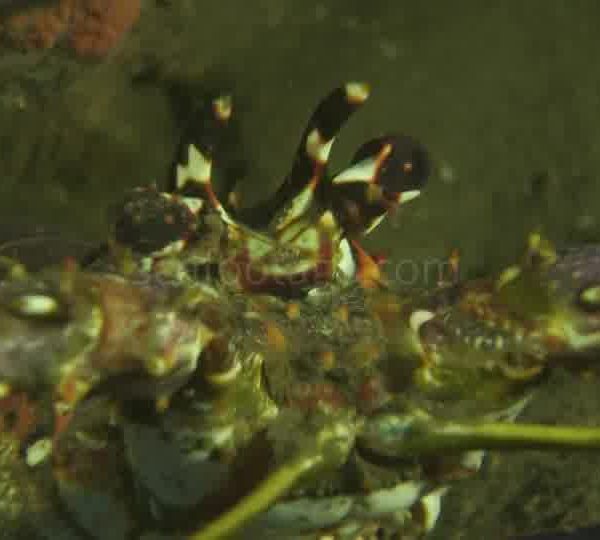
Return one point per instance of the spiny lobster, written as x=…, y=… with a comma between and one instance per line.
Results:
x=213, y=371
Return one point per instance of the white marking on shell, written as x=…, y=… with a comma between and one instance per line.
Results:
x=308, y=240
x=62, y=408
x=576, y=341
x=223, y=106
x=227, y=376
x=357, y=92
x=591, y=295
x=157, y=365
x=327, y=221
x=5, y=390
x=146, y=264
x=418, y=318
x=318, y=148
x=307, y=514
x=363, y=171
x=432, y=505
x=37, y=305
x=299, y=205
x=258, y=247
x=409, y=195
x=207, y=290
x=285, y=270
x=386, y=501
x=176, y=246
x=347, y=263
x=472, y=460
x=509, y=414
x=374, y=224
x=509, y=274
x=193, y=204
x=339, y=512
x=38, y=452
x=198, y=168
x=216, y=438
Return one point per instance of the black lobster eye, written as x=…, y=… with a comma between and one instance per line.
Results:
x=404, y=167
x=148, y=221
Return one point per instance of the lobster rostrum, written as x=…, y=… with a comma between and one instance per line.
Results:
x=218, y=371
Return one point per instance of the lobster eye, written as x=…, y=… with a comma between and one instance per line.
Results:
x=148, y=221
x=404, y=167
x=589, y=298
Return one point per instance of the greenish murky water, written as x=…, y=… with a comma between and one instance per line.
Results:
x=504, y=95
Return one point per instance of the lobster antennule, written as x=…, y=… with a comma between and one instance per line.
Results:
x=319, y=134
x=190, y=181
x=197, y=173
x=392, y=436
x=384, y=173
x=297, y=192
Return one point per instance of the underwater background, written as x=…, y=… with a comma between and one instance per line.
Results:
x=95, y=99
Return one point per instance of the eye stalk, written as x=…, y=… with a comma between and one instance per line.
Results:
x=385, y=172
x=149, y=222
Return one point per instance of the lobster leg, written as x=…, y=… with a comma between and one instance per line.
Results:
x=333, y=443
x=393, y=436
